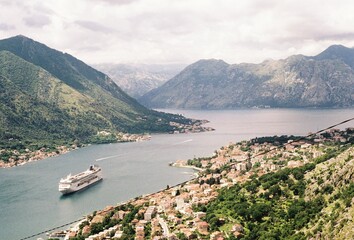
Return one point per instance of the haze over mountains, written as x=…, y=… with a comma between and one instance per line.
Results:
x=47, y=95
x=325, y=80
x=138, y=79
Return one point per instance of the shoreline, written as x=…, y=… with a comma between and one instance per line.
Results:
x=205, y=190
x=183, y=165
x=15, y=158
x=42, y=154
x=38, y=155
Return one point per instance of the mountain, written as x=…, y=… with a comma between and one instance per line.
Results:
x=136, y=80
x=49, y=96
x=338, y=52
x=324, y=80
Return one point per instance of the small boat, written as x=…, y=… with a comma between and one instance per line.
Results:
x=74, y=183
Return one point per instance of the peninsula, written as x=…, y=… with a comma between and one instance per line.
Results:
x=10, y=157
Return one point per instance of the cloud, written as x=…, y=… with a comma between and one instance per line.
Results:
x=6, y=27
x=338, y=36
x=8, y=2
x=181, y=31
x=37, y=21
x=93, y=26
x=116, y=2
x=91, y=48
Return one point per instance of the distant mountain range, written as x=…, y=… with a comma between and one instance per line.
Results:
x=138, y=79
x=325, y=80
x=47, y=95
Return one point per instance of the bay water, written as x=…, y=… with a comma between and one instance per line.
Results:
x=30, y=202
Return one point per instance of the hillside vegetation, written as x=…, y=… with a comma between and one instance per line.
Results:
x=298, y=203
x=280, y=187
x=49, y=98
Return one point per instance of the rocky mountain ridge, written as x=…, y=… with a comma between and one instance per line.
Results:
x=324, y=80
x=136, y=80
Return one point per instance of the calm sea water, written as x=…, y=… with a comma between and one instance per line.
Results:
x=29, y=197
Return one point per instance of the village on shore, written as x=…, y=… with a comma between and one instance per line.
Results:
x=175, y=213
x=20, y=157
x=15, y=157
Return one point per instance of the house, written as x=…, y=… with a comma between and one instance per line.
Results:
x=289, y=147
x=207, y=192
x=339, y=139
x=172, y=237
x=118, y=234
x=293, y=164
x=139, y=227
x=180, y=203
x=202, y=227
x=166, y=204
x=241, y=167
x=106, y=210
x=139, y=238
x=237, y=228
x=139, y=234
x=216, y=236
x=188, y=233
x=86, y=230
x=199, y=215
x=70, y=234
x=150, y=213
x=97, y=219
x=120, y=214
x=135, y=221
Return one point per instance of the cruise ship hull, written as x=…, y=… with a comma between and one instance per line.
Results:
x=80, y=181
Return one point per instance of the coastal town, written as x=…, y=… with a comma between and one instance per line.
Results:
x=179, y=212
x=17, y=156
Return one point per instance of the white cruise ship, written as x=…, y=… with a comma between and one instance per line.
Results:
x=73, y=183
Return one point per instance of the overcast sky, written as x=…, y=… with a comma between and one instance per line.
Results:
x=181, y=31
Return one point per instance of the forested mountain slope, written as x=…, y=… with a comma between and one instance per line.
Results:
x=51, y=97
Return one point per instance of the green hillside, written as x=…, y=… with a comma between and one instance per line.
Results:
x=48, y=97
x=109, y=100
x=267, y=188
x=28, y=109
x=292, y=203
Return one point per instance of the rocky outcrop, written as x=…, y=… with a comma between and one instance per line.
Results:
x=324, y=80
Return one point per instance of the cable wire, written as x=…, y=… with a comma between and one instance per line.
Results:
x=259, y=154
x=52, y=229
x=301, y=138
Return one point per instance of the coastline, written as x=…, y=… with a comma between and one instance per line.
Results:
x=165, y=163
x=34, y=156
x=231, y=165
x=27, y=156
x=227, y=167
x=15, y=158
x=183, y=164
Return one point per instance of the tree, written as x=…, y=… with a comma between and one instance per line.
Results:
x=275, y=191
x=96, y=228
x=181, y=236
